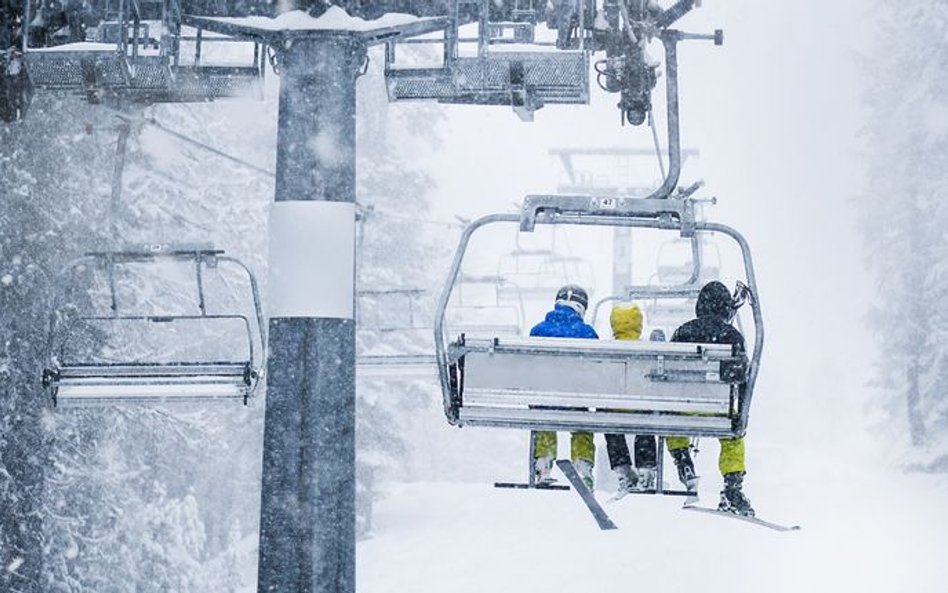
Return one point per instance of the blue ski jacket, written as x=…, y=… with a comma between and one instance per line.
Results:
x=563, y=322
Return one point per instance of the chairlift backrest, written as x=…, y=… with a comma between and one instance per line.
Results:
x=144, y=342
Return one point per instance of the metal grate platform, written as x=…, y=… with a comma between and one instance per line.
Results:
x=148, y=79
x=545, y=77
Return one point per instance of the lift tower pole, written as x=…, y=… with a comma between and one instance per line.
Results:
x=307, y=520
x=307, y=516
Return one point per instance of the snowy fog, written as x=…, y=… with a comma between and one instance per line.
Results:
x=820, y=131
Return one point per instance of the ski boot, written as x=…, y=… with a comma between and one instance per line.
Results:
x=628, y=478
x=648, y=476
x=584, y=468
x=733, y=499
x=686, y=469
x=543, y=471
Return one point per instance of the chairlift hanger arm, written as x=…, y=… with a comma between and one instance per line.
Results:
x=668, y=17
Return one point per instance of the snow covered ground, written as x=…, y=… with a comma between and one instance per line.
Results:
x=864, y=529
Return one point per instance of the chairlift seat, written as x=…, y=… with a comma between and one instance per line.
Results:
x=571, y=384
x=97, y=384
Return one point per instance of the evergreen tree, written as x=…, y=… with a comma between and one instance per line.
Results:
x=904, y=214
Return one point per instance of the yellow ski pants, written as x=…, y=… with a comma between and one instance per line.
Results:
x=582, y=445
x=731, y=458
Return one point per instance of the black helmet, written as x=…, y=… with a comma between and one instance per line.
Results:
x=573, y=296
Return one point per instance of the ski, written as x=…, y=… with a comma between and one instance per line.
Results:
x=622, y=494
x=522, y=486
x=752, y=520
x=591, y=503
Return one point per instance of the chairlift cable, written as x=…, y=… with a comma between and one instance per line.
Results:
x=430, y=221
x=117, y=178
x=207, y=147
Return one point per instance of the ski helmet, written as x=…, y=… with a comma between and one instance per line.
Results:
x=574, y=297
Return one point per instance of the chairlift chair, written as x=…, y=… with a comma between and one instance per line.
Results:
x=586, y=180
x=385, y=361
x=86, y=364
x=667, y=313
x=538, y=273
x=599, y=386
x=699, y=269
x=502, y=315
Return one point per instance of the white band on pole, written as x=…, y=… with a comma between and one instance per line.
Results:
x=312, y=259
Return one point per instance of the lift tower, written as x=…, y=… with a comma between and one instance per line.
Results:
x=307, y=530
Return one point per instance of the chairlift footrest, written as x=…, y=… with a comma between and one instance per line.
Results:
x=653, y=492
x=522, y=486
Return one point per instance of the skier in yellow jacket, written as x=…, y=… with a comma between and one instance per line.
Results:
x=626, y=321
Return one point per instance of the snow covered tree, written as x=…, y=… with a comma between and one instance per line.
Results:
x=50, y=208
x=146, y=498
x=905, y=213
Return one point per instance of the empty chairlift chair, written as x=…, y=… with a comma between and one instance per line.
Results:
x=538, y=273
x=600, y=386
x=155, y=324
x=497, y=310
x=669, y=297
x=394, y=335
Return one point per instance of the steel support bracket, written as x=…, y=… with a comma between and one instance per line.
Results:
x=545, y=208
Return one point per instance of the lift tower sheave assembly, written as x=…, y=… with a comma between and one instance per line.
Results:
x=307, y=530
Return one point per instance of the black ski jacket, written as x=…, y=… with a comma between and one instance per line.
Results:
x=713, y=310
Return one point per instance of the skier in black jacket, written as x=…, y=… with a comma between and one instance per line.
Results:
x=714, y=310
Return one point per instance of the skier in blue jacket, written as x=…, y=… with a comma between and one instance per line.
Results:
x=565, y=321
